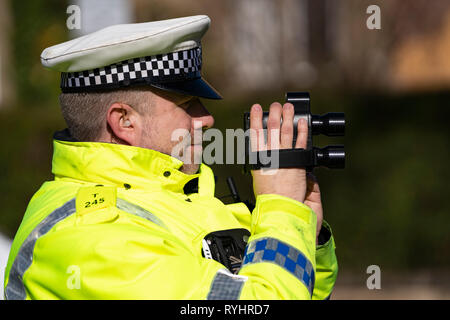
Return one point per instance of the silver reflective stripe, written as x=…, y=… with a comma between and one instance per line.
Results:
x=138, y=211
x=226, y=286
x=15, y=289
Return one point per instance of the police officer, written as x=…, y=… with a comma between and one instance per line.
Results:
x=125, y=218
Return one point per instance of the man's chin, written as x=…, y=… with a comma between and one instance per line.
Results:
x=191, y=165
x=189, y=168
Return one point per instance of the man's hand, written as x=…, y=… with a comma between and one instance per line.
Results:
x=289, y=182
x=313, y=199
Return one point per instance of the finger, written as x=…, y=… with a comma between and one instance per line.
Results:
x=302, y=134
x=273, y=126
x=287, y=127
x=312, y=183
x=311, y=177
x=256, y=128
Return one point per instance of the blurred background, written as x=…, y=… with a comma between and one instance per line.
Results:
x=389, y=207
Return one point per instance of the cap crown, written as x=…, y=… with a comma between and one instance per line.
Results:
x=126, y=41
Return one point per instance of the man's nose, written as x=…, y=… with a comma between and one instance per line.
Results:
x=198, y=112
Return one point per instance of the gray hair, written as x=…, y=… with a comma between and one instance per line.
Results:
x=85, y=113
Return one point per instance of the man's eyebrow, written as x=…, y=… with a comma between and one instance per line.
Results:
x=187, y=99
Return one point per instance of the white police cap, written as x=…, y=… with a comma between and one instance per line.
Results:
x=165, y=54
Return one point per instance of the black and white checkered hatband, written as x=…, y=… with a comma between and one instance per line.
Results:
x=158, y=69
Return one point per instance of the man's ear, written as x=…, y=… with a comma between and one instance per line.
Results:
x=125, y=124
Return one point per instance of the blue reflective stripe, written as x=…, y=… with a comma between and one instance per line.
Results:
x=282, y=254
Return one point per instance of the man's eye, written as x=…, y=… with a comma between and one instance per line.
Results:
x=185, y=105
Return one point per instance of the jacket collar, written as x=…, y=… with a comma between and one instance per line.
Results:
x=123, y=166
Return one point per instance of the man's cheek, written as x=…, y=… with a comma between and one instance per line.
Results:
x=196, y=153
x=181, y=140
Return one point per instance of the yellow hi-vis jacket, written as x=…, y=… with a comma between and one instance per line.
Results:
x=116, y=224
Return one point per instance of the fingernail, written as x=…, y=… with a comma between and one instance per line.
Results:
x=289, y=106
x=256, y=107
